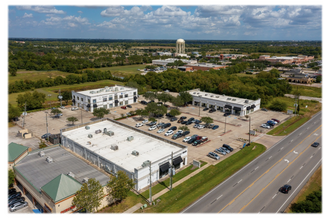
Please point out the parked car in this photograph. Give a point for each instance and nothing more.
(183, 117)
(264, 109)
(196, 142)
(160, 124)
(225, 149)
(271, 123)
(15, 200)
(265, 126)
(62, 107)
(123, 107)
(213, 155)
(198, 137)
(152, 123)
(285, 189)
(185, 133)
(151, 101)
(152, 128)
(184, 122)
(315, 144)
(168, 114)
(227, 114)
(179, 131)
(17, 206)
(273, 119)
(145, 121)
(74, 108)
(158, 115)
(160, 130)
(203, 139)
(173, 128)
(215, 127)
(173, 119)
(205, 109)
(228, 147)
(180, 120)
(197, 121)
(175, 136)
(11, 191)
(212, 110)
(201, 126)
(139, 125)
(220, 151)
(15, 195)
(196, 125)
(144, 102)
(129, 106)
(191, 119)
(191, 140)
(189, 123)
(169, 132)
(186, 139)
(166, 125)
(44, 136)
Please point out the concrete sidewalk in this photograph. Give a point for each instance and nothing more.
(154, 197)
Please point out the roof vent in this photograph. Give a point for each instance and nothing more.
(85, 180)
(233, 99)
(194, 93)
(87, 127)
(71, 174)
(217, 96)
(41, 153)
(114, 147)
(89, 135)
(206, 94)
(98, 131)
(246, 101)
(130, 138)
(223, 94)
(135, 153)
(211, 95)
(49, 160)
(110, 133)
(228, 98)
(146, 163)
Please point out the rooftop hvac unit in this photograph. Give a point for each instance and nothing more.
(114, 147)
(146, 163)
(246, 101)
(130, 138)
(98, 131)
(105, 130)
(49, 160)
(92, 92)
(87, 127)
(217, 96)
(89, 135)
(85, 180)
(41, 153)
(211, 96)
(71, 174)
(135, 153)
(206, 94)
(110, 133)
(106, 87)
(116, 89)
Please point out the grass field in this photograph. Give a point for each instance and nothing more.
(128, 69)
(54, 90)
(289, 126)
(189, 191)
(307, 91)
(313, 184)
(36, 75)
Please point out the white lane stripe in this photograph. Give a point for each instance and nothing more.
(300, 184)
(219, 197)
(274, 196)
(256, 168)
(239, 181)
(288, 181)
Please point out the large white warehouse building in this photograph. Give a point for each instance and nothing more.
(114, 146)
(107, 97)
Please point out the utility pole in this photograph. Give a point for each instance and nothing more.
(225, 125)
(24, 116)
(81, 115)
(46, 127)
(60, 97)
(150, 185)
(171, 173)
(49, 95)
(249, 117)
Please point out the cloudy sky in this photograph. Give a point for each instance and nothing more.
(210, 22)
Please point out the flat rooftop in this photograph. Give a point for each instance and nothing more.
(149, 148)
(217, 97)
(205, 65)
(39, 172)
(105, 91)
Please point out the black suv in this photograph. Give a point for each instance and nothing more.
(315, 144)
(166, 125)
(205, 109)
(12, 191)
(12, 196)
(183, 117)
(173, 128)
(285, 188)
(173, 119)
(228, 147)
(226, 114)
(191, 119)
(144, 102)
(212, 110)
(185, 133)
(188, 122)
(196, 142)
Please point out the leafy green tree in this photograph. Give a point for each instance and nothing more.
(175, 112)
(156, 109)
(141, 112)
(11, 178)
(318, 79)
(312, 204)
(13, 112)
(150, 95)
(275, 72)
(89, 196)
(33, 100)
(72, 119)
(66, 96)
(207, 120)
(278, 105)
(152, 67)
(100, 112)
(42, 144)
(152, 119)
(120, 185)
(186, 97)
(184, 128)
(56, 111)
(164, 97)
(12, 69)
(177, 101)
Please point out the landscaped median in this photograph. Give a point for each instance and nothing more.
(289, 126)
(189, 191)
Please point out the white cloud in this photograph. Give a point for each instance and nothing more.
(41, 9)
(112, 11)
(80, 12)
(70, 21)
(28, 15)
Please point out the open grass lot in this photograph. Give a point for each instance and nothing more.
(36, 75)
(189, 191)
(307, 91)
(313, 184)
(128, 69)
(289, 126)
(54, 90)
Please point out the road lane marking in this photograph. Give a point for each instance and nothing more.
(219, 197)
(262, 208)
(269, 169)
(288, 181)
(291, 140)
(307, 128)
(213, 201)
(300, 134)
(276, 177)
(300, 184)
(295, 152)
(301, 167)
(311, 156)
(287, 160)
(239, 181)
(274, 196)
(293, 176)
(235, 184)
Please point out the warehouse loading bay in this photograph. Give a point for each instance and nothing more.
(236, 128)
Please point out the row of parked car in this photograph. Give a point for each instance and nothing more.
(269, 124)
(195, 140)
(145, 103)
(225, 149)
(15, 200)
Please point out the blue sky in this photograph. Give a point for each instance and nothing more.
(205, 22)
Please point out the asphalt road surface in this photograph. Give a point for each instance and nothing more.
(255, 188)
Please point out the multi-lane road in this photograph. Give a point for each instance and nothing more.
(255, 188)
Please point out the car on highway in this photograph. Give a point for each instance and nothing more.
(139, 125)
(220, 151)
(285, 189)
(169, 132)
(186, 139)
(129, 106)
(152, 128)
(215, 127)
(228, 147)
(160, 130)
(265, 126)
(315, 144)
(213, 155)
(17, 206)
(44, 136)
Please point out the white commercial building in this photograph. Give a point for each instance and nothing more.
(107, 97)
(114, 146)
(236, 106)
(171, 60)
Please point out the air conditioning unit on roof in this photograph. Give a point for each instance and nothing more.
(135, 153)
(85, 180)
(49, 160)
(114, 147)
(71, 174)
(41, 153)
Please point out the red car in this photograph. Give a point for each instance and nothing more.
(124, 107)
(203, 139)
(198, 137)
(273, 119)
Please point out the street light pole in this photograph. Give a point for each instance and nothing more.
(225, 125)
(150, 185)
(199, 104)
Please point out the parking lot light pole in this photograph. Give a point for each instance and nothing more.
(199, 104)
(249, 117)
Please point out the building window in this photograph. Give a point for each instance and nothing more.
(82, 99)
(121, 103)
(94, 101)
(89, 101)
(110, 105)
(116, 97)
(105, 106)
(126, 95)
(104, 98)
(120, 96)
(77, 97)
(110, 97)
(134, 93)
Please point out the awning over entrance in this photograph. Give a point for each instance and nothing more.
(248, 108)
(95, 105)
(237, 109)
(228, 106)
(164, 167)
(177, 161)
(88, 106)
(253, 106)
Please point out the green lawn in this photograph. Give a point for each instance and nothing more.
(189, 191)
(289, 126)
(36, 75)
(128, 69)
(307, 91)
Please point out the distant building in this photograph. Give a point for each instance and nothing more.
(180, 46)
(286, 60)
(106, 98)
(164, 53)
(205, 66)
(171, 60)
